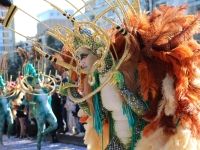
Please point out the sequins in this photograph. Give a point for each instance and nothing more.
(107, 66)
(83, 105)
(137, 105)
(115, 144)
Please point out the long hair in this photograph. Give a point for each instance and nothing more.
(128, 67)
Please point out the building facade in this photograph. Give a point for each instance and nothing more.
(51, 18)
(7, 38)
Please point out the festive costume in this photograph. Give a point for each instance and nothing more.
(10, 96)
(148, 56)
(39, 91)
(167, 55)
(7, 99)
(5, 112)
(169, 77)
(115, 103)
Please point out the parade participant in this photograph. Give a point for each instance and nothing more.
(21, 116)
(160, 46)
(5, 111)
(102, 100)
(9, 98)
(168, 76)
(34, 85)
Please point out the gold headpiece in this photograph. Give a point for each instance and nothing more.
(89, 40)
(90, 34)
(85, 34)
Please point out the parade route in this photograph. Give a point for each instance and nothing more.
(26, 144)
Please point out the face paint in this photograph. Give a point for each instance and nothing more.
(82, 56)
(86, 57)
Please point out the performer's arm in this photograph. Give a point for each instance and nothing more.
(83, 105)
(136, 103)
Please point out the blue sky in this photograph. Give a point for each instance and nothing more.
(25, 24)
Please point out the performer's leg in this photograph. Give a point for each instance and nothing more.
(40, 123)
(2, 122)
(17, 127)
(53, 133)
(51, 119)
(22, 127)
(10, 121)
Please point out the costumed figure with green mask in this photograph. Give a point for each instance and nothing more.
(34, 85)
(5, 111)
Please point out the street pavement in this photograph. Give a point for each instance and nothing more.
(26, 144)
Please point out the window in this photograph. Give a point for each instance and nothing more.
(1, 48)
(198, 7)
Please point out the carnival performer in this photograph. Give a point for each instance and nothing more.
(117, 101)
(167, 60)
(5, 111)
(110, 87)
(160, 46)
(40, 99)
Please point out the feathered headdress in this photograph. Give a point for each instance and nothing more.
(168, 68)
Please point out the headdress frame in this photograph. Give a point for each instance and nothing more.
(96, 40)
